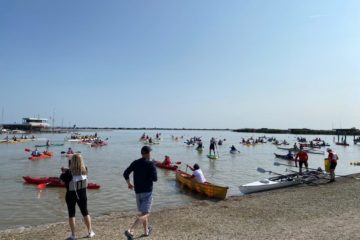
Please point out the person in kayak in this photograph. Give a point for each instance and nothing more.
(290, 156)
(48, 143)
(144, 174)
(70, 151)
(333, 157)
(197, 173)
(167, 161)
(302, 157)
(212, 146)
(75, 179)
(35, 153)
(233, 148)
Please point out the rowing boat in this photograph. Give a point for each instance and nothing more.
(271, 183)
(208, 189)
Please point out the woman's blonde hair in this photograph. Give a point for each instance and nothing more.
(77, 166)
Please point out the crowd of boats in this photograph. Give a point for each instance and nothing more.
(211, 190)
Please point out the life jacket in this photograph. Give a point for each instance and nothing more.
(78, 183)
(333, 157)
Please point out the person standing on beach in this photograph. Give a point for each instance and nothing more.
(333, 157)
(144, 174)
(75, 179)
(302, 157)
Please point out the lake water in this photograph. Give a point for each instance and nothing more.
(24, 205)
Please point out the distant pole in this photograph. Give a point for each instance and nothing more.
(53, 120)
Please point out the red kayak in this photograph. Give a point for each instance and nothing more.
(98, 144)
(42, 156)
(168, 167)
(53, 182)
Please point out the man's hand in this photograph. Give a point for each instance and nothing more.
(130, 186)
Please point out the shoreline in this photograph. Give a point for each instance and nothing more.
(303, 212)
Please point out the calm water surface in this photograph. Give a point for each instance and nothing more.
(24, 205)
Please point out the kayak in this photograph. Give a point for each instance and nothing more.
(200, 150)
(271, 184)
(51, 145)
(98, 144)
(234, 151)
(53, 182)
(208, 189)
(285, 157)
(286, 148)
(42, 156)
(313, 151)
(342, 144)
(213, 156)
(15, 142)
(163, 166)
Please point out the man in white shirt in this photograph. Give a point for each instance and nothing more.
(197, 173)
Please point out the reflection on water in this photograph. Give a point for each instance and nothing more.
(24, 204)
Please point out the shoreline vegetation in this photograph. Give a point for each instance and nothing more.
(298, 131)
(302, 212)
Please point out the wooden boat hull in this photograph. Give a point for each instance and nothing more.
(208, 189)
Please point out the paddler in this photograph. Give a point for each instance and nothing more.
(35, 153)
(70, 151)
(200, 145)
(333, 157)
(212, 146)
(167, 161)
(302, 157)
(233, 148)
(197, 173)
(290, 156)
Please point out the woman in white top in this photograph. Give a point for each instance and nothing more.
(197, 173)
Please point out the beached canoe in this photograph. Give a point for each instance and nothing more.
(53, 182)
(214, 157)
(163, 166)
(44, 155)
(208, 189)
(271, 184)
(51, 145)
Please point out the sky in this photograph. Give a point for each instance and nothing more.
(193, 64)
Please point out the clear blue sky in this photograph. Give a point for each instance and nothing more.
(203, 63)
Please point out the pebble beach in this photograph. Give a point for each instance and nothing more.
(321, 211)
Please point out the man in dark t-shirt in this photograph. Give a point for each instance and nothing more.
(144, 174)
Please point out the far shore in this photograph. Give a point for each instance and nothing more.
(325, 211)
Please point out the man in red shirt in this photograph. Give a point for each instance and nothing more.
(333, 157)
(302, 157)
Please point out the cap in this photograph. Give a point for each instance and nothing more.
(145, 149)
(329, 150)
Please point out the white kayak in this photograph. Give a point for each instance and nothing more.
(270, 184)
(314, 151)
(234, 151)
(286, 148)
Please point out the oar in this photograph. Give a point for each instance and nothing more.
(261, 170)
(282, 164)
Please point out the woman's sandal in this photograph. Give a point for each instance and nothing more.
(148, 232)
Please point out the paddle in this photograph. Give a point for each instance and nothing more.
(42, 186)
(27, 150)
(261, 170)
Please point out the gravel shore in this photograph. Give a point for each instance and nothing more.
(324, 211)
